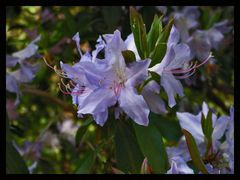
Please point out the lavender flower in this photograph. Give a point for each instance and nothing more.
(179, 166)
(99, 84)
(223, 157)
(26, 72)
(176, 57)
(185, 20)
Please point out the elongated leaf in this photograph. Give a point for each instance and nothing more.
(207, 125)
(161, 44)
(194, 152)
(170, 129)
(129, 56)
(152, 147)
(153, 34)
(155, 76)
(87, 163)
(82, 130)
(128, 154)
(14, 162)
(139, 33)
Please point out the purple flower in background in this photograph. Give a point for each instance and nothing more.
(175, 62)
(223, 152)
(152, 89)
(202, 42)
(179, 166)
(176, 56)
(26, 72)
(185, 20)
(99, 84)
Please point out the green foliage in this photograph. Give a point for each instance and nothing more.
(152, 147)
(139, 33)
(131, 143)
(128, 154)
(194, 152)
(207, 125)
(87, 163)
(14, 162)
(129, 56)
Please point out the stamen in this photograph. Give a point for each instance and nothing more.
(186, 75)
(59, 72)
(192, 67)
(197, 66)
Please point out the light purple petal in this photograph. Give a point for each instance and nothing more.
(200, 44)
(205, 109)
(11, 61)
(137, 72)
(152, 97)
(101, 117)
(171, 87)
(222, 26)
(76, 38)
(29, 51)
(26, 73)
(220, 127)
(192, 124)
(182, 56)
(179, 166)
(169, 56)
(98, 101)
(130, 44)
(100, 46)
(173, 37)
(215, 37)
(113, 51)
(134, 105)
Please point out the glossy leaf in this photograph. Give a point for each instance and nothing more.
(161, 44)
(207, 125)
(87, 163)
(129, 56)
(170, 129)
(139, 33)
(152, 147)
(194, 152)
(82, 130)
(14, 162)
(128, 154)
(153, 34)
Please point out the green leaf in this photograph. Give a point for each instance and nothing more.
(207, 125)
(155, 76)
(14, 162)
(161, 44)
(153, 34)
(129, 56)
(194, 152)
(87, 163)
(128, 154)
(170, 129)
(81, 131)
(139, 33)
(152, 147)
(213, 18)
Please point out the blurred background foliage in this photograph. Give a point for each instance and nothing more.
(44, 125)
